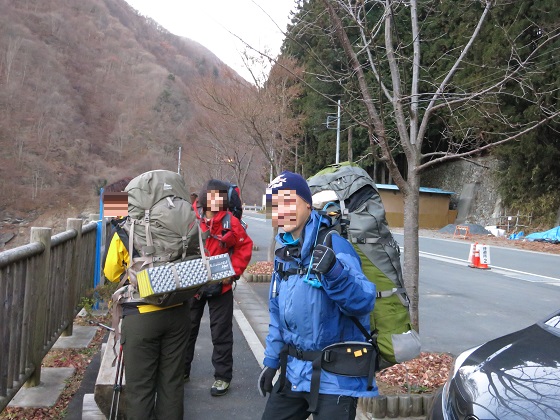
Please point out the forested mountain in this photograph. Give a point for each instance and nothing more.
(91, 92)
(530, 166)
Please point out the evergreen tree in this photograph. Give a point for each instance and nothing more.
(428, 82)
(445, 27)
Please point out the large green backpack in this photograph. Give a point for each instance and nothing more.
(349, 196)
(161, 223)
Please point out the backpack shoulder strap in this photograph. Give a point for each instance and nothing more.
(123, 235)
(326, 231)
(226, 221)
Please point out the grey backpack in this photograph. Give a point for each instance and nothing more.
(349, 196)
(161, 227)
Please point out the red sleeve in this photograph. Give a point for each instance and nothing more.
(243, 248)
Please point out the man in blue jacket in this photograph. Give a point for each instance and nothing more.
(315, 290)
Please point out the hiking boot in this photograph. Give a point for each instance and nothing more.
(219, 387)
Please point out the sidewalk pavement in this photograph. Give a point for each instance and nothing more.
(53, 380)
(242, 402)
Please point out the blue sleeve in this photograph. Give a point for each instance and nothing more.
(346, 284)
(274, 341)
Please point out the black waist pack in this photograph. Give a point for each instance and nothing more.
(347, 358)
(350, 358)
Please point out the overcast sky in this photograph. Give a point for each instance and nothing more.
(208, 23)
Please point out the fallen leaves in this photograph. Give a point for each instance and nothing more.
(260, 267)
(426, 373)
(79, 359)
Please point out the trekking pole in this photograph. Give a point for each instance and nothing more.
(102, 325)
(117, 387)
(120, 385)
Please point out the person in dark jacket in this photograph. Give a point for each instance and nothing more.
(315, 288)
(153, 339)
(224, 234)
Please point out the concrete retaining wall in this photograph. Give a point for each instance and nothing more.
(475, 185)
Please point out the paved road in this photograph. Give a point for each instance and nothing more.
(461, 307)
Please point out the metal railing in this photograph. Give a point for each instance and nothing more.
(253, 208)
(41, 285)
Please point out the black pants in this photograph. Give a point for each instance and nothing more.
(221, 328)
(154, 349)
(290, 405)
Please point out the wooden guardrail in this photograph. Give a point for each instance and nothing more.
(41, 285)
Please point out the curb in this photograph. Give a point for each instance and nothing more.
(405, 406)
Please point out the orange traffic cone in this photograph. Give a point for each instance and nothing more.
(475, 259)
(471, 254)
(484, 257)
(479, 256)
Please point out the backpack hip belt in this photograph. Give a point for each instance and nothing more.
(350, 358)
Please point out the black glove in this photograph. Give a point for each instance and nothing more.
(265, 380)
(323, 259)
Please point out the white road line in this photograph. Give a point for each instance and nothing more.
(250, 335)
(499, 270)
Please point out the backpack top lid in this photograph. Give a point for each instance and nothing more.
(150, 187)
(343, 179)
(234, 200)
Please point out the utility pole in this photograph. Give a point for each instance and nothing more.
(338, 135)
(328, 124)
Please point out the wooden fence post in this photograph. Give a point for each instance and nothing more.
(75, 251)
(37, 300)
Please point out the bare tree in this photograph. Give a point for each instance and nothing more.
(122, 131)
(398, 111)
(263, 111)
(224, 145)
(14, 44)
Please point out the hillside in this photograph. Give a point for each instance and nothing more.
(91, 92)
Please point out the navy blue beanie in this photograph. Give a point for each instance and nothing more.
(290, 181)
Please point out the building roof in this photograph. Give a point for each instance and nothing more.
(422, 189)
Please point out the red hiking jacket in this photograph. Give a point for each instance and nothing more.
(232, 239)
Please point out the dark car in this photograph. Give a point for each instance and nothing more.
(516, 376)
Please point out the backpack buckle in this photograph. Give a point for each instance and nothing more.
(147, 216)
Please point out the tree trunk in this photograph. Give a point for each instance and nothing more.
(272, 244)
(411, 258)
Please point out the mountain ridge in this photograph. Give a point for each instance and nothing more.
(91, 92)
